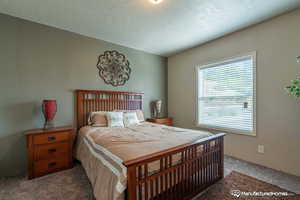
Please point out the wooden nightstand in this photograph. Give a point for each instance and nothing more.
(164, 120)
(49, 150)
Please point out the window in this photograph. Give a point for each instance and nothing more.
(226, 95)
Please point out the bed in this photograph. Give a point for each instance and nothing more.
(146, 161)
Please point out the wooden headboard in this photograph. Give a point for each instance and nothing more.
(101, 100)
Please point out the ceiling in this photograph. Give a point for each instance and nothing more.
(162, 29)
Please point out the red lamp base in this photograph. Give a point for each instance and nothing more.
(49, 110)
(49, 124)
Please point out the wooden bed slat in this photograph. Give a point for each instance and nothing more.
(191, 176)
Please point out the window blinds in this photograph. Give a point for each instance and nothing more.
(226, 95)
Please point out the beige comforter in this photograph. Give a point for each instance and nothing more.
(102, 150)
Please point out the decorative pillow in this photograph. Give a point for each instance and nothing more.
(139, 114)
(115, 119)
(97, 119)
(130, 118)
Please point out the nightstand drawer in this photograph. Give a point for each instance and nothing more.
(48, 151)
(51, 138)
(51, 165)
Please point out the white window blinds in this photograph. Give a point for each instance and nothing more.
(226, 95)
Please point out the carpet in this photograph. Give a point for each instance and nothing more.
(73, 184)
(239, 186)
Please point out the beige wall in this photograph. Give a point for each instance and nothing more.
(277, 43)
(38, 62)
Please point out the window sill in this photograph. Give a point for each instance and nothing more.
(224, 130)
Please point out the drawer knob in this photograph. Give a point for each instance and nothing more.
(51, 150)
(51, 138)
(52, 164)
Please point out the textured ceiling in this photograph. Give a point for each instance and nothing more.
(162, 29)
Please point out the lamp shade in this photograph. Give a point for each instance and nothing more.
(49, 111)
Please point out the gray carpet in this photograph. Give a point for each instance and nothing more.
(73, 184)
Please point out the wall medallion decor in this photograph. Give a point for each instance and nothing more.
(113, 68)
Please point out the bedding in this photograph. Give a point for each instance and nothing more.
(97, 119)
(130, 118)
(102, 150)
(139, 114)
(115, 119)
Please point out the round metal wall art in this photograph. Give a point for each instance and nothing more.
(113, 68)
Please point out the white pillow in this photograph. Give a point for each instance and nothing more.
(115, 119)
(130, 118)
(139, 114)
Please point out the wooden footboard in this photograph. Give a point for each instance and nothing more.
(201, 164)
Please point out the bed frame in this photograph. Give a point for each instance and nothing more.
(201, 163)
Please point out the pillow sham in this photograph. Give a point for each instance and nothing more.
(97, 119)
(115, 119)
(139, 114)
(130, 118)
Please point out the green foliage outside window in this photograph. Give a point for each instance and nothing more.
(294, 88)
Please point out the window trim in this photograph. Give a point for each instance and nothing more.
(221, 61)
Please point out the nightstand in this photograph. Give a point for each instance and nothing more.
(164, 120)
(49, 150)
